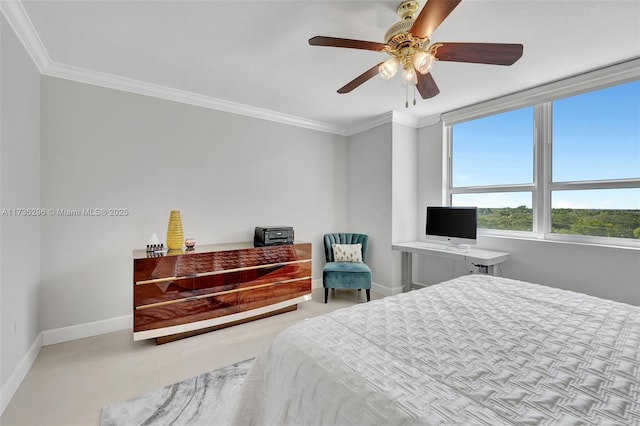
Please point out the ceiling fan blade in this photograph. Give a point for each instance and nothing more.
(362, 78)
(346, 42)
(480, 53)
(427, 86)
(431, 16)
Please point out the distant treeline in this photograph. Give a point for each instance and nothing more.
(595, 222)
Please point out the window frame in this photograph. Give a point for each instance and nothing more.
(541, 99)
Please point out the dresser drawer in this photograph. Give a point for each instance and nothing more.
(289, 290)
(258, 256)
(274, 274)
(165, 267)
(146, 294)
(203, 263)
(215, 284)
(258, 297)
(185, 312)
(250, 277)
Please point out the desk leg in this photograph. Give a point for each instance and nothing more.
(487, 269)
(407, 271)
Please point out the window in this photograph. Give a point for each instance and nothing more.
(501, 186)
(500, 210)
(567, 168)
(474, 144)
(596, 136)
(591, 212)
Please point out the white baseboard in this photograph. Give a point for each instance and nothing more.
(89, 329)
(384, 290)
(95, 328)
(12, 385)
(375, 287)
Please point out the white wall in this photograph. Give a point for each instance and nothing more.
(607, 272)
(430, 166)
(431, 269)
(19, 188)
(382, 197)
(226, 173)
(369, 199)
(404, 192)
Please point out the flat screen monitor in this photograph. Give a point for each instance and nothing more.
(452, 225)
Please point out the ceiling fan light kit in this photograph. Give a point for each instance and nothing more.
(409, 77)
(388, 68)
(408, 43)
(423, 61)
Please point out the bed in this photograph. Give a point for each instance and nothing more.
(474, 350)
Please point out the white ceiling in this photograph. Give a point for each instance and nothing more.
(255, 53)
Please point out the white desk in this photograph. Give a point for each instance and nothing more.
(486, 259)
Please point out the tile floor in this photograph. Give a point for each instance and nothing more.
(70, 382)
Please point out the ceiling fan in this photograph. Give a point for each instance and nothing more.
(408, 44)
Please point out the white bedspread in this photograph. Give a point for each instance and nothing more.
(474, 350)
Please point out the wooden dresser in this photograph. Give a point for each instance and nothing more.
(187, 292)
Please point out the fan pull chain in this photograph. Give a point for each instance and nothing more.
(406, 95)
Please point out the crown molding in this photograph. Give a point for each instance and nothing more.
(17, 17)
(429, 120)
(404, 119)
(110, 81)
(370, 123)
(394, 117)
(413, 121)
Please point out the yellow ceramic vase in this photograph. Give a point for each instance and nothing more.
(175, 234)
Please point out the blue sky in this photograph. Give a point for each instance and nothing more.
(596, 136)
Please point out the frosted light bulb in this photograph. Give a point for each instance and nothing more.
(409, 76)
(388, 68)
(423, 62)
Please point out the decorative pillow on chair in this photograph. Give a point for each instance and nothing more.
(347, 252)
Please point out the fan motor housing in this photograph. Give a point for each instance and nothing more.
(398, 36)
(399, 28)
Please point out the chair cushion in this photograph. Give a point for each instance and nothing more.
(346, 267)
(346, 275)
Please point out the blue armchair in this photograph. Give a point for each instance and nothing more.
(346, 274)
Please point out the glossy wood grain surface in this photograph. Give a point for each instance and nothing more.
(273, 294)
(162, 292)
(154, 293)
(190, 263)
(185, 312)
(194, 286)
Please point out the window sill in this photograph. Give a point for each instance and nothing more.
(562, 239)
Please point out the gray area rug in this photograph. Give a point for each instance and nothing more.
(206, 399)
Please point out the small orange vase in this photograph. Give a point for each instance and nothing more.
(175, 234)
